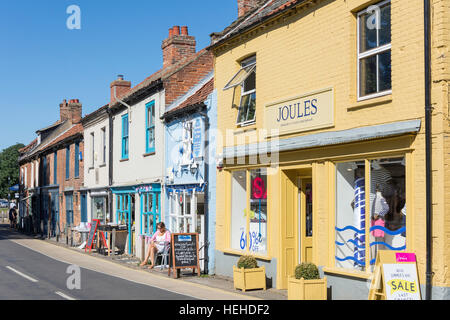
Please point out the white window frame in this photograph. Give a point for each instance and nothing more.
(180, 211)
(250, 62)
(369, 53)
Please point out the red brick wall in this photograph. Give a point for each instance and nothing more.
(72, 182)
(178, 84)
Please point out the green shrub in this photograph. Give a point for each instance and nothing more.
(307, 271)
(247, 262)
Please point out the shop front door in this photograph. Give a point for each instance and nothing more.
(305, 219)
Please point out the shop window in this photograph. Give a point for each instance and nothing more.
(99, 208)
(386, 209)
(374, 51)
(388, 206)
(183, 212)
(249, 224)
(150, 212)
(123, 209)
(246, 79)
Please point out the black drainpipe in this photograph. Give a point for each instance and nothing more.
(428, 149)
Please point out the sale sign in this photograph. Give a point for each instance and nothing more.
(259, 189)
(401, 282)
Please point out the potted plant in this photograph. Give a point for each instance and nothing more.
(306, 284)
(247, 275)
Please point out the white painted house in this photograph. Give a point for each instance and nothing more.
(96, 165)
(138, 137)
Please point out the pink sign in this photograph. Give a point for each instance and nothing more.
(405, 257)
(259, 189)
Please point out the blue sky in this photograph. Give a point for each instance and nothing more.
(42, 62)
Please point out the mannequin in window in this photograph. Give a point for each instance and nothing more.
(359, 215)
(381, 189)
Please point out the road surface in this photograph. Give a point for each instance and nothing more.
(33, 269)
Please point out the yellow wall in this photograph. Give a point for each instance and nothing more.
(315, 48)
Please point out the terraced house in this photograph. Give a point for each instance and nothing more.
(53, 174)
(138, 136)
(328, 109)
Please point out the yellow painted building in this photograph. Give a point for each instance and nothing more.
(321, 110)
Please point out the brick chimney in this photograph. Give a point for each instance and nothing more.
(177, 46)
(121, 86)
(245, 6)
(71, 111)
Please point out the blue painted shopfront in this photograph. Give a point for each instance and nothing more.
(190, 149)
(149, 196)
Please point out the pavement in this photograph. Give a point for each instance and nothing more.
(205, 287)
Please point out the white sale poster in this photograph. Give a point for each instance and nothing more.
(401, 282)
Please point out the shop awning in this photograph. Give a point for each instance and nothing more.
(324, 139)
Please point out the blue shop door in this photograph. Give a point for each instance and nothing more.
(83, 207)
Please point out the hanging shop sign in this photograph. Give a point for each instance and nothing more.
(306, 112)
(148, 188)
(197, 139)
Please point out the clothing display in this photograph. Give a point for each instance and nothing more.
(380, 187)
(379, 180)
(379, 205)
(378, 223)
(359, 219)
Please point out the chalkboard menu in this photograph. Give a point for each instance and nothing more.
(184, 253)
(91, 236)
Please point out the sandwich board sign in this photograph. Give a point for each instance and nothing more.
(184, 253)
(395, 277)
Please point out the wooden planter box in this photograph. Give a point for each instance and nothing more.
(307, 289)
(249, 279)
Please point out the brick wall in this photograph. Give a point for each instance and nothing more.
(179, 83)
(68, 184)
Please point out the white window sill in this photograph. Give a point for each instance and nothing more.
(375, 95)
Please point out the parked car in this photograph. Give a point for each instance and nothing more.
(3, 204)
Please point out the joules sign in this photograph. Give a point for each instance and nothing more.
(302, 113)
